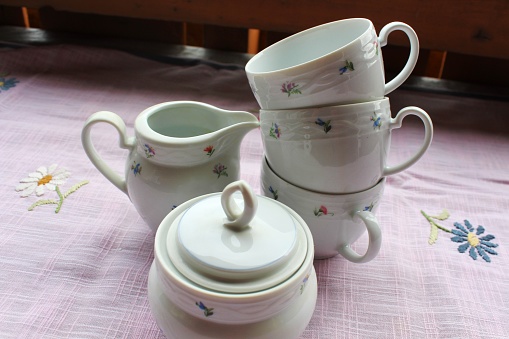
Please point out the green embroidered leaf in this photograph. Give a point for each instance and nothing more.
(442, 216)
(433, 236)
(42, 202)
(75, 188)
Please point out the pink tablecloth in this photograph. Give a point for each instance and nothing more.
(82, 272)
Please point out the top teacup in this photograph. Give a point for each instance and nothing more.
(332, 64)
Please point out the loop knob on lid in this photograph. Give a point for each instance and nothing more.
(239, 219)
(256, 246)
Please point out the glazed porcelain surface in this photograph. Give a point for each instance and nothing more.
(335, 220)
(180, 150)
(337, 149)
(234, 265)
(335, 63)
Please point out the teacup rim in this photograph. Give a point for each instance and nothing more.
(380, 184)
(339, 107)
(293, 36)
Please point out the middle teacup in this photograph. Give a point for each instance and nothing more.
(336, 149)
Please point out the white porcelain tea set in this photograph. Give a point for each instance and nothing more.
(227, 262)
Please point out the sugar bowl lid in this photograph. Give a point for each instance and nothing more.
(236, 242)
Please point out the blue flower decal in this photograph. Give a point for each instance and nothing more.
(377, 121)
(275, 131)
(471, 242)
(369, 208)
(325, 124)
(347, 67)
(274, 192)
(136, 168)
(206, 311)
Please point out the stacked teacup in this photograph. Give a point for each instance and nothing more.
(326, 128)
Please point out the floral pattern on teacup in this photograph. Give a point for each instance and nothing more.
(206, 310)
(322, 210)
(220, 170)
(377, 121)
(290, 88)
(468, 236)
(149, 151)
(325, 124)
(347, 67)
(275, 131)
(375, 43)
(209, 150)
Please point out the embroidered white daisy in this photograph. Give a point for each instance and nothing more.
(43, 178)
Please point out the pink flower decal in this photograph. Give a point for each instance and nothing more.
(322, 211)
(210, 150)
(290, 88)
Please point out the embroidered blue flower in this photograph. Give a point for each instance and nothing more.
(6, 84)
(471, 242)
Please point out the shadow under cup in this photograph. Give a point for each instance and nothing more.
(335, 220)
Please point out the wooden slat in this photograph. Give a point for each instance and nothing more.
(476, 27)
(11, 16)
(193, 34)
(225, 38)
(435, 64)
(110, 26)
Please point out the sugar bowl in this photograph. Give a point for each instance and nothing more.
(233, 265)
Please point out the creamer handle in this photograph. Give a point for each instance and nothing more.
(124, 142)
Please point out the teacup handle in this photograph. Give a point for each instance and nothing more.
(124, 142)
(428, 136)
(412, 59)
(375, 239)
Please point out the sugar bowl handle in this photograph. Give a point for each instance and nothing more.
(239, 219)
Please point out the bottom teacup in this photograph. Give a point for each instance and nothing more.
(335, 220)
